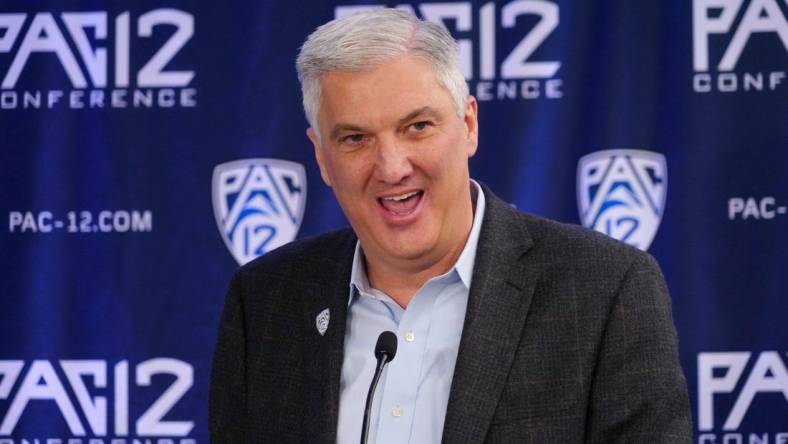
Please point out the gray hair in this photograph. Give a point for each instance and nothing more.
(368, 39)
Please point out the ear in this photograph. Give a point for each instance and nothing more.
(471, 125)
(318, 154)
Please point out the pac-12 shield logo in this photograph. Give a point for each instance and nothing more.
(622, 193)
(258, 204)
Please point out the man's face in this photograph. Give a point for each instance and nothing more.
(396, 153)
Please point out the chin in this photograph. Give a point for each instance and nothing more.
(409, 248)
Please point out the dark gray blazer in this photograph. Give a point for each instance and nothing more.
(568, 337)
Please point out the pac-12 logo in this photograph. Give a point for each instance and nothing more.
(102, 72)
(258, 204)
(717, 63)
(495, 69)
(757, 382)
(622, 193)
(107, 396)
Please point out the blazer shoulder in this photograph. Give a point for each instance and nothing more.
(549, 240)
(576, 244)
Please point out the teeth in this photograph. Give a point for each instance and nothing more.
(402, 197)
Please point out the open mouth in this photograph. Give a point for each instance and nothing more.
(403, 204)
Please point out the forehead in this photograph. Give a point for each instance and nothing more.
(390, 90)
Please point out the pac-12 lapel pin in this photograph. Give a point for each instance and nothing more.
(321, 321)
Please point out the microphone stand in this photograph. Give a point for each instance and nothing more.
(385, 350)
(368, 408)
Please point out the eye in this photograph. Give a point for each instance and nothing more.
(354, 139)
(421, 126)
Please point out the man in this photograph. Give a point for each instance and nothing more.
(511, 328)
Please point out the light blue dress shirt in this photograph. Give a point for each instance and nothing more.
(413, 392)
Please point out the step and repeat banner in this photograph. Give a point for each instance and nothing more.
(147, 148)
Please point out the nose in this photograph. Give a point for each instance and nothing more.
(392, 161)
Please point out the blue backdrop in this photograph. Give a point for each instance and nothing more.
(147, 148)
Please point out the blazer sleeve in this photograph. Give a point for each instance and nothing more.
(227, 392)
(638, 392)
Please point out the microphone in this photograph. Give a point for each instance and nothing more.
(385, 350)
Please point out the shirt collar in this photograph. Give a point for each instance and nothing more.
(463, 266)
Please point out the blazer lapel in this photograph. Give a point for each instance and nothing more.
(323, 353)
(498, 303)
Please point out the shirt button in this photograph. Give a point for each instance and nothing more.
(410, 336)
(396, 412)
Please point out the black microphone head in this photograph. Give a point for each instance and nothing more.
(387, 344)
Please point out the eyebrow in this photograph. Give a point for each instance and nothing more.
(425, 110)
(344, 127)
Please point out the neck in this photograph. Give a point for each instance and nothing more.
(402, 283)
